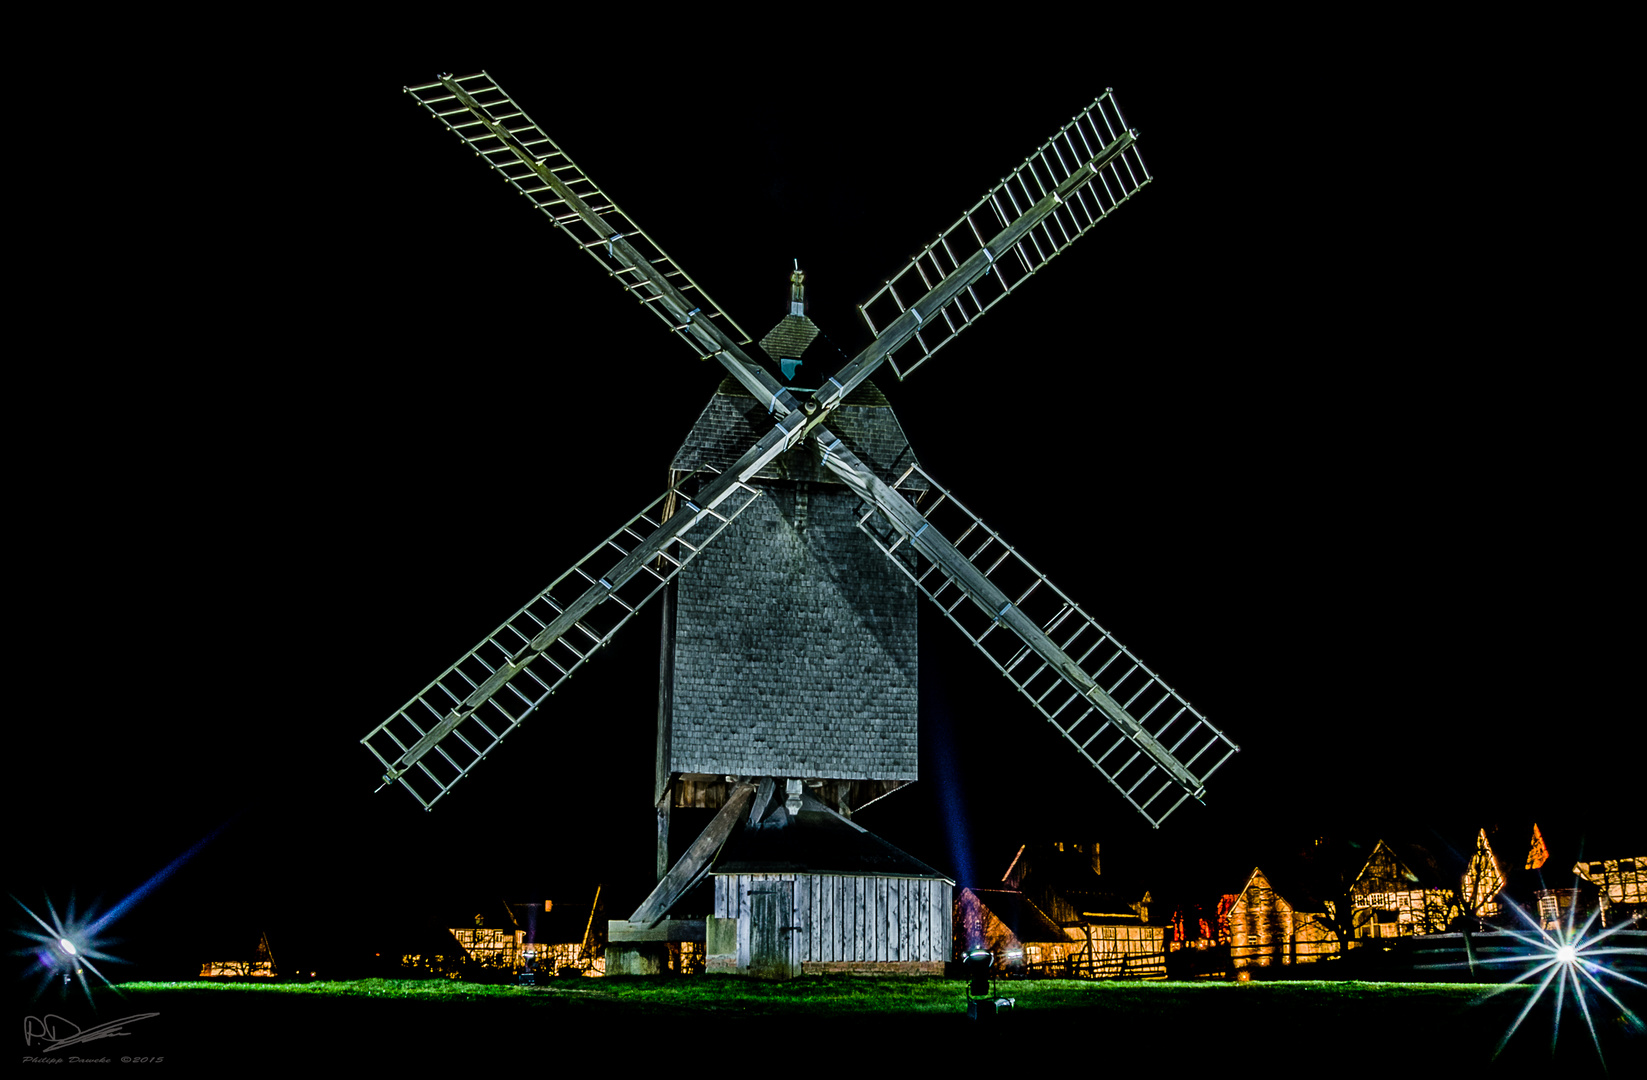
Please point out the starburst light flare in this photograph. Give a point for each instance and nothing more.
(1568, 959)
(70, 943)
(65, 947)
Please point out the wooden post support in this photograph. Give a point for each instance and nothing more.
(763, 798)
(685, 873)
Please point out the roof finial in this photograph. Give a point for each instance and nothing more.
(794, 332)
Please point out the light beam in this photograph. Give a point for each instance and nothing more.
(66, 945)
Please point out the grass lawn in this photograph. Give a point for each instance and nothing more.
(1290, 1029)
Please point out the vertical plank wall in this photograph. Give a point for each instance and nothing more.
(852, 919)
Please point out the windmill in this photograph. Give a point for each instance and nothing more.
(809, 713)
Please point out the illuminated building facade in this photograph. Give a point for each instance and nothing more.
(1269, 930)
(1572, 874)
(1484, 879)
(1056, 915)
(1621, 887)
(1390, 898)
(259, 966)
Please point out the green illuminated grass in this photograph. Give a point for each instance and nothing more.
(1432, 1029)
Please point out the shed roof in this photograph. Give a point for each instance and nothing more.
(815, 841)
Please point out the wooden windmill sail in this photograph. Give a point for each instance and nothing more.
(810, 453)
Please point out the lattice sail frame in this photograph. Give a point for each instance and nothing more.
(1157, 707)
(1097, 126)
(542, 672)
(445, 107)
(1074, 180)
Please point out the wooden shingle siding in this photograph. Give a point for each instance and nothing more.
(794, 604)
(813, 616)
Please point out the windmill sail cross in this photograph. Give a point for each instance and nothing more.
(1133, 728)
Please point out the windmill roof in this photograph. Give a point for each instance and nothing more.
(815, 841)
(734, 420)
(789, 338)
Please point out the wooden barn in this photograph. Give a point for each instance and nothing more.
(1269, 931)
(808, 891)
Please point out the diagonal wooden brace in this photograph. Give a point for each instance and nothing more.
(690, 867)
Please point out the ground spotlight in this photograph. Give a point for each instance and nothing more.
(981, 1002)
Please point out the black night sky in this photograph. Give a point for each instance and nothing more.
(1320, 424)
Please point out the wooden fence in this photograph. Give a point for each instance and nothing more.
(1113, 966)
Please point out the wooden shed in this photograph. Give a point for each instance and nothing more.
(808, 891)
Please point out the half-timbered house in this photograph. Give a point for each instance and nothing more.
(1055, 914)
(1270, 931)
(1621, 887)
(505, 939)
(256, 962)
(1484, 879)
(1400, 893)
(1568, 875)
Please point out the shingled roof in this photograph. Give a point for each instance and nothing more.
(815, 841)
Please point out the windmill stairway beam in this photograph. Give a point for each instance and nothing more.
(903, 526)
